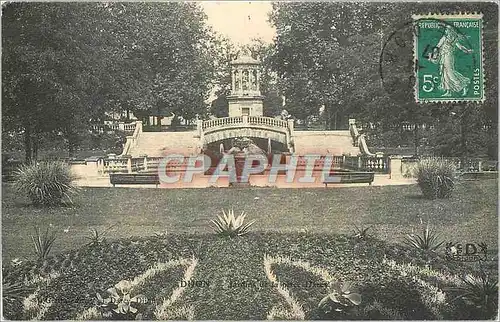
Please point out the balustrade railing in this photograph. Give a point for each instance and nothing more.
(379, 164)
(116, 126)
(241, 120)
(132, 140)
(130, 127)
(462, 164)
(260, 120)
(116, 165)
(376, 164)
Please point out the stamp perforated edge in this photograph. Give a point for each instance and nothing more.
(474, 15)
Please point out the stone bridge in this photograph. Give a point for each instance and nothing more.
(246, 126)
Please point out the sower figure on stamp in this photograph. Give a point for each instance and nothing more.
(451, 79)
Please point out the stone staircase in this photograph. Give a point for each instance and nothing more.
(157, 144)
(325, 142)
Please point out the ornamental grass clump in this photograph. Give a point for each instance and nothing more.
(436, 178)
(480, 293)
(45, 183)
(230, 226)
(429, 240)
(42, 243)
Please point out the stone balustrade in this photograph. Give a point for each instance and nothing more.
(223, 121)
(132, 139)
(243, 121)
(251, 126)
(116, 126)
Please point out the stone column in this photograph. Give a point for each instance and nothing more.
(395, 171)
(233, 80)
(240, 77)
(145, 162)
(100, 166)
(129, 164)
(258, 80)
(290, 125)
(199, 128)
(244, 81)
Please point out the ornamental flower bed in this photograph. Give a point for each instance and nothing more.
(258, 276)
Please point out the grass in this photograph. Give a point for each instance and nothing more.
(470, 215)
(298, 234)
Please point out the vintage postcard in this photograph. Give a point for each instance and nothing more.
(249, 160)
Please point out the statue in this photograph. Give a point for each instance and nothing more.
(250, 80)
(245, 80)
(237, 81)
(255, 80)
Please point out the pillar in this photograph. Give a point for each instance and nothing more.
(145, 162)
(233, 80)
(258, 80)
(100, 166)
(129, 164)
(395, 163)
(240, 77)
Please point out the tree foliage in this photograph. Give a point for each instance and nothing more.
(356, 60)
(65, 65)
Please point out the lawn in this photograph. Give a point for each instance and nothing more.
(469, 216)
(301, 242)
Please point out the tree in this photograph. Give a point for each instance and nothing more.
(174, 50)
(356, 60)
(65, 65)
(312, 54)
(47, 69)
(222, 58)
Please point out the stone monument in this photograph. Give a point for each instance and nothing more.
(245, 98)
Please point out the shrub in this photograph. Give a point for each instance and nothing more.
(120, 302)
(45, 183)
(231, 226)
(43, 243)
(436, 178)
(361, 232)
(480, 293)
(342, 295)
(429, 240)
(97, 237)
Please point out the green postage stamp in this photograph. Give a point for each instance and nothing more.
(449, 58)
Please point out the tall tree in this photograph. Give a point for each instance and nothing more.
(331, 54)
(66, 65)
(48, 68)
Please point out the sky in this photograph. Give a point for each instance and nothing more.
(240, 21)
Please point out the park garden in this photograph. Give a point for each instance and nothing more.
(75, 74)
(249, 253)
